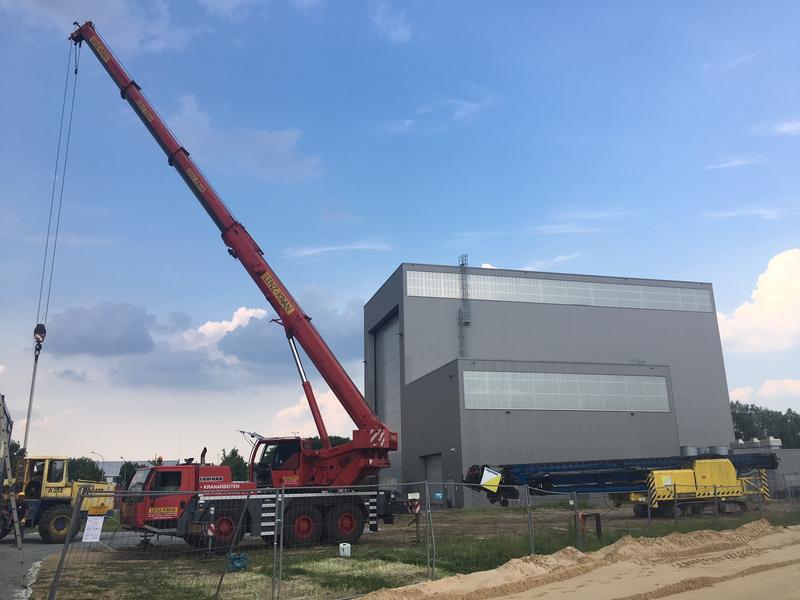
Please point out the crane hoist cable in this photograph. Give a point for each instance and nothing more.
(46, 282)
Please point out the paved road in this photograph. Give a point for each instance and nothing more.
(12, 572)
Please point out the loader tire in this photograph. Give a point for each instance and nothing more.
(55, 524)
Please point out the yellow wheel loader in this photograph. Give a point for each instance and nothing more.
(46, 497)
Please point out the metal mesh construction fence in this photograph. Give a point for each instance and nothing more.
(334, 545)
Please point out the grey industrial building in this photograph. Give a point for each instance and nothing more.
(491, 366)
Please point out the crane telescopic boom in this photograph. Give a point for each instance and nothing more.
(372, 432)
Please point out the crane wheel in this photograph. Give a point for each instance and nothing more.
(302, 526)
(55, 524)
(345, 523)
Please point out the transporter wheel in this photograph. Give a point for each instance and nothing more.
(55, 524)
(345, 523)
(302, 525)
(640, 510)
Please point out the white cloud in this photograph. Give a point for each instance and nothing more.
(297, 417)
(434, 117)
(302, 251)
(3, 368)
(735, 163)
(770, 320)
(128, 27)
(739, 61)
(209, 333)
(487, 266)
(764, 213)
(538, 265)
(266, 154)
(391, 24)
(787, 128)
(563, 228)
(780, 388)
(776, 394)
(742, 394)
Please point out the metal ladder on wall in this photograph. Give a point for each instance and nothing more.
(5, 460)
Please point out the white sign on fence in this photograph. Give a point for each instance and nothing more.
(93, 529)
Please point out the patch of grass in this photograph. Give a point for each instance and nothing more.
(345, 575)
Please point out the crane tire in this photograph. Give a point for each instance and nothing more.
(345, 523)
(302, 525)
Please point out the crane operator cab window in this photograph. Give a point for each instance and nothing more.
(277, 456)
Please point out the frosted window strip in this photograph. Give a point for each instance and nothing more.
(556, 291)
(564, 391)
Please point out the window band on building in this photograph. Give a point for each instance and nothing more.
(513, 390)
(559, 291)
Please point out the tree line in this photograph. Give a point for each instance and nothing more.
(750, 420)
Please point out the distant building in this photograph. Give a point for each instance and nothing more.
(490, 366)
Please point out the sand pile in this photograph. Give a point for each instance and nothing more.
(523, 574)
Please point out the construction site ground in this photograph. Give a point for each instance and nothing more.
(755, 560)
(474, 550)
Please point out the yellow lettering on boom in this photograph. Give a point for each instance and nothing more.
(279, 294)
(101, 50)
(195, 180)
(145, 111)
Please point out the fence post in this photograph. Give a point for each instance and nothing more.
(530, 519)
(576, 519)
(280, 543)
(430, 537)
(716, 507)
(649, 509)
(759, 497)
(675, 508)
(233, 543)
(74, 525)
(278, 531)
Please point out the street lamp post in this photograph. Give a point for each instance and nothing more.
(124, 471)
(102, 460)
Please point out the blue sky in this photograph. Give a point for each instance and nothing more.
(649, 140)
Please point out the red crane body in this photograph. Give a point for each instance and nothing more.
(346, 464)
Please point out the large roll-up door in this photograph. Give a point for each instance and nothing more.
(387, 387)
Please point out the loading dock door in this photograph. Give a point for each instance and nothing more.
(387, 389)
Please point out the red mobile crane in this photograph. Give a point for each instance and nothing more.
(288, 462)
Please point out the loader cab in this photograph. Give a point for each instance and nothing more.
(44, 477)
(276, 462)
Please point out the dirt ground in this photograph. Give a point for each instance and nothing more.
(756, 560)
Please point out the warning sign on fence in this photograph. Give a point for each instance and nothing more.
(93, 529)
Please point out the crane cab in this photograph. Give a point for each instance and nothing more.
(278, 462)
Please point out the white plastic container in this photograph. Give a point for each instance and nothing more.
(344, 550)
